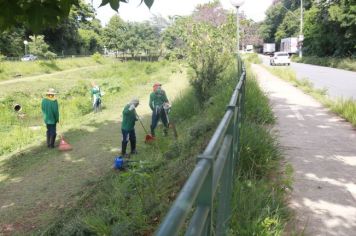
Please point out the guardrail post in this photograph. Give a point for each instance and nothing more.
(225, 193)
(205, 197)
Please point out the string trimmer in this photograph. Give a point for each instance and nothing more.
(148, 138)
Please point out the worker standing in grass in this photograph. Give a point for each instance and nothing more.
(158, 101)
(96, 93)
(50, 116)
(128, 126)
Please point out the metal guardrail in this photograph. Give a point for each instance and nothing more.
(215, 169)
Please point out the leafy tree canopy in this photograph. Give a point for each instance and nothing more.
(39, 14)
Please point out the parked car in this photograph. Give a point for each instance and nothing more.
(280, 58)
(29, 57)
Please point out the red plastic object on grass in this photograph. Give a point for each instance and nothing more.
(63, 145)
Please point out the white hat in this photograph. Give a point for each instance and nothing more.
(134, 101)
(51, 91)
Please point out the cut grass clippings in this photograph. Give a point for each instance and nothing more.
(346, 108)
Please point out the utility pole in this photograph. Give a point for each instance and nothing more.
(301, 37)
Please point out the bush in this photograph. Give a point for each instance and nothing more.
(97, 57)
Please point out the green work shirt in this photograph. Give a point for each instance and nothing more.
(129, 118)
(95, 91)
(50, 111)
(158, 98)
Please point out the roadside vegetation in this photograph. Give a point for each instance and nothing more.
(133, 202)
(340, 63)
(346, 108)
(17, 69)
(261, 188)
(74, 97)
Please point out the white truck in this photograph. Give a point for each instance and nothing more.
(289, 45)
(269, 48)
(249, 49)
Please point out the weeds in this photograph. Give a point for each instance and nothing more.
(11, 70)
(259, 206)
(341, 63)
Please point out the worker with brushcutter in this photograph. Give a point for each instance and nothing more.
(96, 93)
(50, 116)
(158, 103)
(128, 126)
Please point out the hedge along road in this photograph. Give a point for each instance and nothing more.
(321, 148)
(339, 83)
(33, 195)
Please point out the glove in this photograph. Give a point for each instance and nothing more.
(132, 107)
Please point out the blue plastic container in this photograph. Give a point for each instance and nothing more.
(119, 162)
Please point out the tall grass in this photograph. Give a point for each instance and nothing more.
(259, 205)
(346, 108)
(340, 63)
(74, 98)
(15, 69)
(133, 203)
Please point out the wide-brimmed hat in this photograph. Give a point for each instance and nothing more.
(134, 101)
(51, 91)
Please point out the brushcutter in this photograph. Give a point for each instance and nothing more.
(149, 137)
(121, 164)
(166, 108)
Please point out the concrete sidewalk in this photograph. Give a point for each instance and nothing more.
(322, 150)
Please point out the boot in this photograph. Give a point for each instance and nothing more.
(152, 132)
(123, 148)
(48, 140)
(52, 140)
(133, 147)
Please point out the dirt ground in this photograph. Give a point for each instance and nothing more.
(321, 148)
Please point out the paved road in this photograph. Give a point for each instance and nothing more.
(339, 83)
(321, 148)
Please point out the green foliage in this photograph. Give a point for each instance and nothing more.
(132, 37)
(252, 58)
(97, 57)
(336, 19)
(37, 15)
(39, 47)
(341, 63)
(259, 206)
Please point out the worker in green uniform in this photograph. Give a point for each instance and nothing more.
(158, 101)
(96, 93)
(50, 115)
(128, 126)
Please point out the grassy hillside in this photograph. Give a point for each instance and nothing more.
(16, 69)
(36, 183)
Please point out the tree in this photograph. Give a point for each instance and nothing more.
(64, 38)
(11, 42)
(39, 47)
(39, 14)
(274, 17)
(113, 34)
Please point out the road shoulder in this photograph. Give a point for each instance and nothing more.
(320, 147)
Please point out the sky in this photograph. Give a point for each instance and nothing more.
(253, 9)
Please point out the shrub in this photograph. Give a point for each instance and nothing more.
(97, 57)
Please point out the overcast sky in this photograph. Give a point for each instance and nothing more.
(254, 9)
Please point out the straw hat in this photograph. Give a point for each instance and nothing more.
(51, 91)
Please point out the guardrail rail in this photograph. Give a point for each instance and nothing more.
(208, 190)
